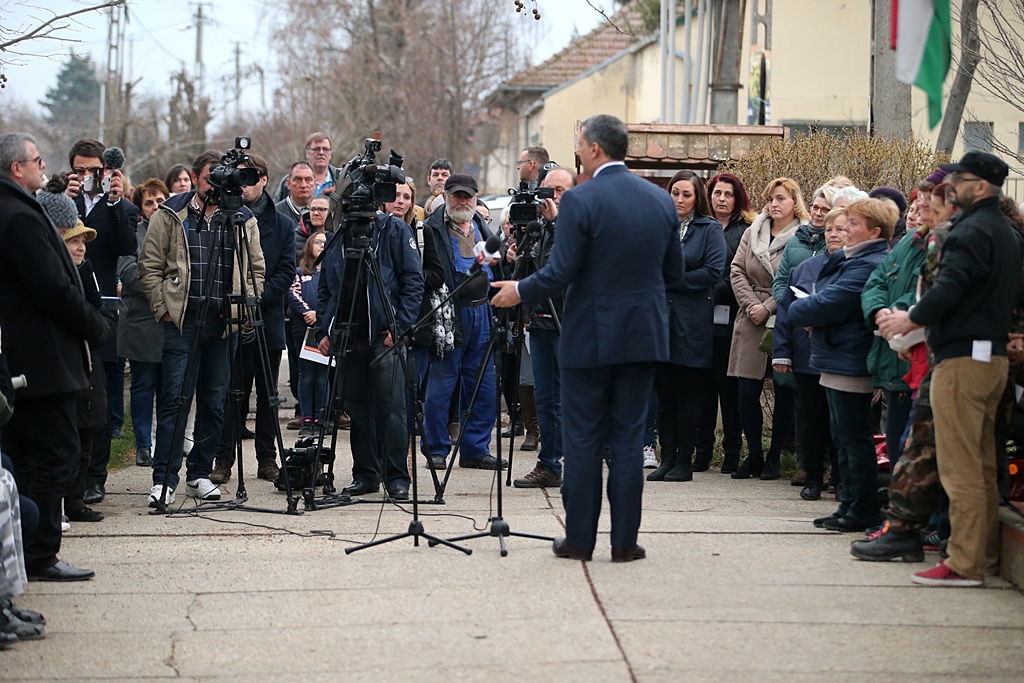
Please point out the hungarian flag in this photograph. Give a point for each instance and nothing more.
(922, 35)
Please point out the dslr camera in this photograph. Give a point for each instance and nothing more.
(227, 179)
(526, 204)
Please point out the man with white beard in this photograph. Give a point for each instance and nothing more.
(456, 230)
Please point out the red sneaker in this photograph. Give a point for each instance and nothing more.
(941, 575)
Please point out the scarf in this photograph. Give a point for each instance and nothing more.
(763, 246)
(684, 226)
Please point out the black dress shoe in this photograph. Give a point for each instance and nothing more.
(117, 434)
(811, 492)
(488, 462)
(62, 571)
(436, 462)
(84, 515)
(247, 434)
(844, 525)
(360, 488)
(637, 552)
(144, 457)
(398, 491)
(820, 521)
(94, 493)
(562, 549)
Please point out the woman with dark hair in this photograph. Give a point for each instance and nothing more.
(752, 271)
(178, 179)
(302, 300)
(691, 311)
(730, 205)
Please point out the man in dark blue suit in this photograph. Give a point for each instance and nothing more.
(616, 247)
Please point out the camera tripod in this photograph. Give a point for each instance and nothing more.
(227, 227)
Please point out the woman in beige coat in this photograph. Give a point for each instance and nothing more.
(752, 272)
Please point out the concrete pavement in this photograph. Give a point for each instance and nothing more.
(737, 586)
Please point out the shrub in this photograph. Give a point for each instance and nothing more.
(813, 158)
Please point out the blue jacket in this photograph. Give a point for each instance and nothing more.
(398, 260)
(840, 341)
(616, 249)
(691, 301)
(277, 240)
(793, 343)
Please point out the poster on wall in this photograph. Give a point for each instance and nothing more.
(759, 94)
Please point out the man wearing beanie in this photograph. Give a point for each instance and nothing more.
(46, 324)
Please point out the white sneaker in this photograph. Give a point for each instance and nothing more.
(650, 459)
(154, 496)
(65, 525)
(203, 489)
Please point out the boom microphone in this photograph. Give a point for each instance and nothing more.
(487, 254)
(113, 158)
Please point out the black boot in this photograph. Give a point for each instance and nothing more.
(890, 545)
(771, 468)
(668, 463)
(751, 467)
(683, 471)
(812, 491)
(731, 463)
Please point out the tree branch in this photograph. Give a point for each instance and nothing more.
(48, 25)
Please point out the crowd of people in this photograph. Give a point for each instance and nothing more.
(861, 299)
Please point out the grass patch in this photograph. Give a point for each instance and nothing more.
(122, 451)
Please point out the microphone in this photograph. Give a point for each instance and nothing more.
(113, 158)
(487, 254)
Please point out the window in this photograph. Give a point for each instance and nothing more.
(977, 136)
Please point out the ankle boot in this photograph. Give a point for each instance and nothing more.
(668, 463)
(771, 467)
(731, 463)
(751, 467)
(529, 407)
(683, 470)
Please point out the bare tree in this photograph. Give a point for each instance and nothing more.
(966, 65)
(13, 41)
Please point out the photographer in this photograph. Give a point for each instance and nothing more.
(325, 177)
(46, 322)
(373, 396)
(114, 221)
(531, 161)
(176, 271)
(276, 241)
(544, 340)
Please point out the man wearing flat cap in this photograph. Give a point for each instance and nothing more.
(967, 314)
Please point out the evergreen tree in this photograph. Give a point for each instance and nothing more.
(73, 104)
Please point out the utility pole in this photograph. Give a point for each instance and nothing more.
(200, 20)
(238, 80)
(110, 86)
(727, 27)
(890, 112)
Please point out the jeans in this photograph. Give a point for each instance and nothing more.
(147, 381)
(547, 391)
(898, 404)
(266, 417)
(312, 382)
(850, 418)
(374, 398)
(460, 366)
(115, 392)
(752, 416)
(208, 383)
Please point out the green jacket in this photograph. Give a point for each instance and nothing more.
(893, 285)
(801, 247)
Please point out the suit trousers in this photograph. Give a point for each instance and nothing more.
(965, 394)
(73, 501)
(604, 416)
(42, 442)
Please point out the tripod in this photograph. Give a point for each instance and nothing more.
(227, 227)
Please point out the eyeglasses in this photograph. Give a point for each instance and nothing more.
(955, 179)
(523, 161)
(38, 160)
(319, 243)
(94, 170)
(319, 149)
(319, 209)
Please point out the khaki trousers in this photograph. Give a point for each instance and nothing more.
(965, 394)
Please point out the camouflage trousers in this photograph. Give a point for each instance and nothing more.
(914, 489)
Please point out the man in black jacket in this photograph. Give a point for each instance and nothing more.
(46, 324)
(967, 313)
(114, 219)
(277, 241)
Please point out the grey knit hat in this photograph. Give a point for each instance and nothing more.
(60, 208)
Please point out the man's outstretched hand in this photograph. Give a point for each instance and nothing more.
(506, 296)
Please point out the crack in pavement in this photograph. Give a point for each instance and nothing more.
(608, 622)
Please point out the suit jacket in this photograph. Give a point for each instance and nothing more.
(115, 237)
(44, 316)
(616, 248)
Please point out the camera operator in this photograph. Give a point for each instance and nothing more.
(373, 396)
(544, 339)
(440, 171)
(173, 268)
(276, 241)
(325, 177)
(46, 323)
(531, 161)
(456, 231)
(114, 221)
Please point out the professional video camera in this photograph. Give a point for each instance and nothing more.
(526, 204)
(365, 186)
(227, 179)
(300, 462)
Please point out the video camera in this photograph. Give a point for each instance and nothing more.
(227, 179)
(364, 187)
(300, 462)
(526, 204)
